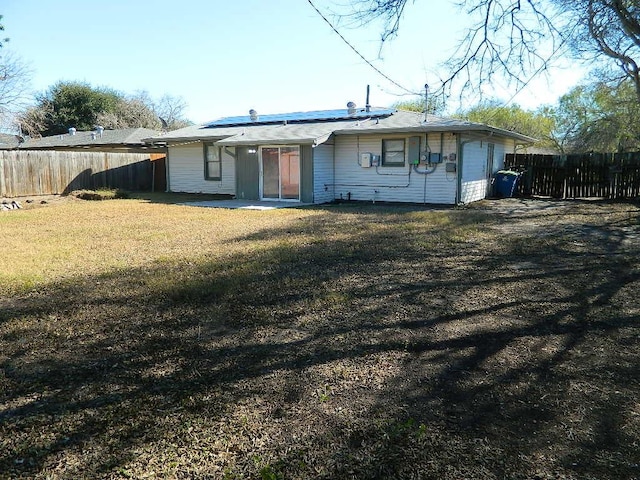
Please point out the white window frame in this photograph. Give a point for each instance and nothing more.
(386, 163)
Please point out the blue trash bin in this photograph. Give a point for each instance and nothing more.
(505, 183)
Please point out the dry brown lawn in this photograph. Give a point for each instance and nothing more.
(141, 339)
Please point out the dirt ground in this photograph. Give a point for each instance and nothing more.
(499, 340)
(39, 201)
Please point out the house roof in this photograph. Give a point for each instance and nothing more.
(121, 139)
(8, 140)
(301, 117)
(294, 129)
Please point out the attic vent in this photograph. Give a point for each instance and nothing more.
(72, 131)
(351, 108)
(99, 130)
(253, 115)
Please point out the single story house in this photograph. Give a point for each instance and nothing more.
(371, 154)
(8, 140)
(127, 140)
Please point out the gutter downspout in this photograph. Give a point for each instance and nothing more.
(333, 172)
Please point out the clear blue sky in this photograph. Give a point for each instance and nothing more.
(226, 57)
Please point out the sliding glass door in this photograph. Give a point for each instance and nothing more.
(280, 173)
(270, 173)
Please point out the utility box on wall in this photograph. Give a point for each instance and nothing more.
(365, 160)
(450, 167)
(435, 157)
(414, 150)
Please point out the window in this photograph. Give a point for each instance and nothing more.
(393, 152)
(212, 162)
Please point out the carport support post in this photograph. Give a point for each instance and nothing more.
(2, 186)
(459, 148)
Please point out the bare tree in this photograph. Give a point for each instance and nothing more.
(35, 120)
(14, 83)
(610, 28)
(171, 109)
(2, 40)
(129, 113)
(168, 109)
(14, 86)
(519, 39)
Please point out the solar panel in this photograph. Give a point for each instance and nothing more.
(301, 117)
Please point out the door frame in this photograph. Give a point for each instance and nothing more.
(261, 175)
(491, 160)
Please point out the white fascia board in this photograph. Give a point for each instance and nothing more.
(240, 141)
(438, 129)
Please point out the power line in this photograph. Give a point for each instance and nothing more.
(536, 73)
(358, 53)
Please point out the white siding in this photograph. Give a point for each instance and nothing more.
(323, 189)
(337, 173)
(474, 172)
(186, 171)
(475, 178)
(391, 184)
(501, 151)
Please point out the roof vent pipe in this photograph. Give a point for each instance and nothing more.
(351, 108)
(367, 107)
(99, 130)
(72, 131)
(253, 115)
(93, 135)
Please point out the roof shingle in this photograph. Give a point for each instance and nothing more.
(128, 137)
(316, 132)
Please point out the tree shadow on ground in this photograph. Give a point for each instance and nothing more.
(358, 343)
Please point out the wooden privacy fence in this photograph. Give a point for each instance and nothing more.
(604, 175)
(57, 172)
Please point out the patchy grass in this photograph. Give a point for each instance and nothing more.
(146, 340)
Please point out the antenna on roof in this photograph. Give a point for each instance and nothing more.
(426, 101)
(367, 107)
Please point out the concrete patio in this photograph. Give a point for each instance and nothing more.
(245, 204)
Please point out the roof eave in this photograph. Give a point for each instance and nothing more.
(280, 141)
(436, 129)
(179, 140)
(125, 147)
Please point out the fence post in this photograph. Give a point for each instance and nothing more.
(2, 185)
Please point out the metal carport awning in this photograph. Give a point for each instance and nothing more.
(270, 138)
